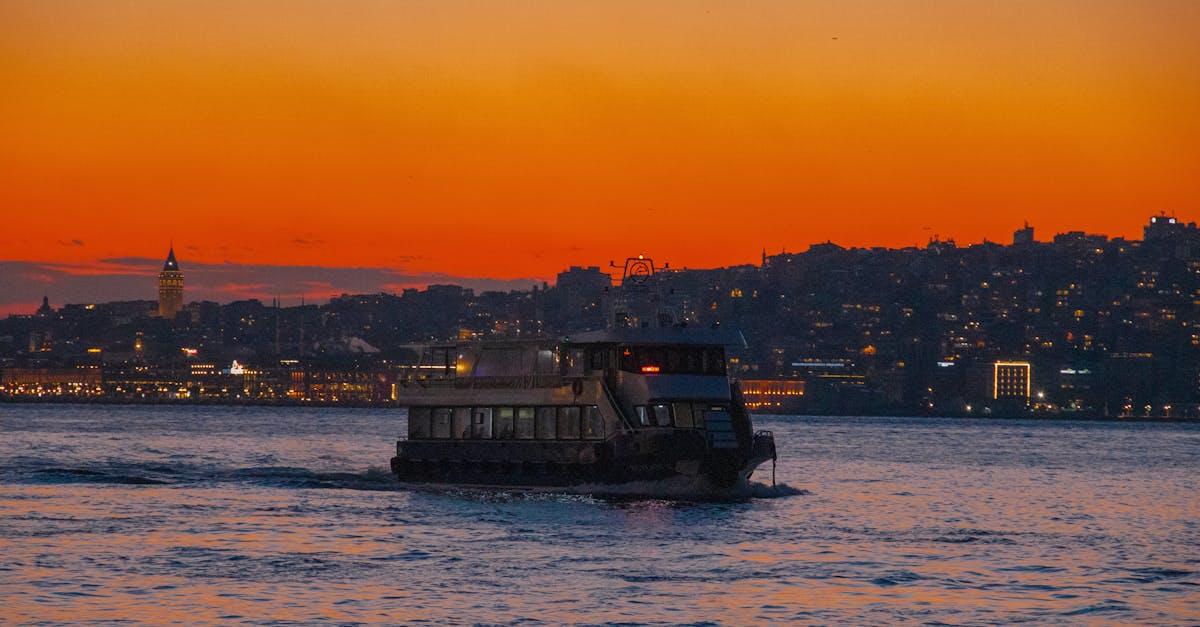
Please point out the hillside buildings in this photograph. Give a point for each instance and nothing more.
(1083, 324)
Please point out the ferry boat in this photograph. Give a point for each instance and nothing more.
(629, 403)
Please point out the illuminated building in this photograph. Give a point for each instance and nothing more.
(1011, 380)
(1163, 226)
(349, 387)
(170, 287)
(768, 394)
(44, 382)
(40, 342)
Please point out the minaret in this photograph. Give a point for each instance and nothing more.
(45, 311)
(170, 288)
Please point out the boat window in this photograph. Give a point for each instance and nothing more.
(593, 423)
(547, 362)
(575, 363)
(461, 423)
(524, 428)
(715, 359)
(440, 355)
(628, 361)
(441, 422)
(503, 419)
(683, 415)
(481, 422)
(642, 418)
(651, 360)
(418, 423)
(698, 415)
(674, 361)
(598, 358)
(717, 419)
(499, 361)
(546, 421)
(662, 414)
(568, 423)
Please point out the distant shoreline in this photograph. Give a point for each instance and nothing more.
(193, 402)
(367, 405)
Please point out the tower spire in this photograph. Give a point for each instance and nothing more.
(170, 286)
(171, 265)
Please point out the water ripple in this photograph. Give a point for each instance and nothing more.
(217, 515)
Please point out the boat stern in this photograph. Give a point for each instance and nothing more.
(762, 448)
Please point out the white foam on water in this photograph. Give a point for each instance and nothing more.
(779, 490)
(689, 488)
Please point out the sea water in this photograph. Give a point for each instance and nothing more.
(275, 515)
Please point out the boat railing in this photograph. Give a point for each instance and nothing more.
(626, 424)
(519, 382)
(764, 444)
(763, 448)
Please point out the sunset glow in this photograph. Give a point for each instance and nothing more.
(509, 140)
(600, 311)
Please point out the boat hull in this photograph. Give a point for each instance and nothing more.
(643, 456)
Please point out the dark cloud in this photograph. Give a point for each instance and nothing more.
(132, 278)
(70, 242)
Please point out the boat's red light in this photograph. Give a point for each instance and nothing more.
(651, 369)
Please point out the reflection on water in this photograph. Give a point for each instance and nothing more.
(227, 514)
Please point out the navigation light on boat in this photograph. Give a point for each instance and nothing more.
(651, 369)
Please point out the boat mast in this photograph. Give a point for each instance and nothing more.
(638, 302)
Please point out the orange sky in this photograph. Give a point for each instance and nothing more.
(510, 139)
